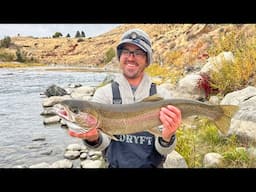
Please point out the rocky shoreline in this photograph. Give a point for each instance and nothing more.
(187, 87)
(75, 155)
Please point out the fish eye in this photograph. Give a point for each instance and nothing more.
(75, 110)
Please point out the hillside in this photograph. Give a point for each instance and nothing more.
(190, 42)
(181, 50)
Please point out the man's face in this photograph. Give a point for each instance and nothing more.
(133, 61)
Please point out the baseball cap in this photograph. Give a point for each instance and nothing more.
(139, 38)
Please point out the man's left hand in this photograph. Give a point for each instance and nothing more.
(170, 117)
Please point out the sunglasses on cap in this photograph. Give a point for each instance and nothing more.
(136, 37)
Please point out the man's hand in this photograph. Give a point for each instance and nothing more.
(170, 116)
(91, 135)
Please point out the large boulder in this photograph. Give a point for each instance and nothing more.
(55, 90)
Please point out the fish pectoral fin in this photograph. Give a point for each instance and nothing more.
(154, 97)
(157, 131)
(114, 138)
(108, 134)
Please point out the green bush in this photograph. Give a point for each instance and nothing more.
(109, 55)
(57, 34)
(5, 42)
(20, 56)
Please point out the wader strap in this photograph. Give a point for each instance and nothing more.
(152, 90)
(116, 93)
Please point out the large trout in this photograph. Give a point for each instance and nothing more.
(142, 116)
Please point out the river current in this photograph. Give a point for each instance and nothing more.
(20, 121)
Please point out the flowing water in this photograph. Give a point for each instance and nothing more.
(20, 119)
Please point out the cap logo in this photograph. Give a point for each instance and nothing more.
(133, 35)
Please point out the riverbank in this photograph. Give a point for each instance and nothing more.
(45, 67)
(21, 122)
(20, 65)
(77, 69)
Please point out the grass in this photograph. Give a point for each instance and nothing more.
(237, 75)
(194, 143)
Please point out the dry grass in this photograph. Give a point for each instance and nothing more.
(238, 75)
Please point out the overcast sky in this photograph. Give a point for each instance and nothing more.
(47, 30)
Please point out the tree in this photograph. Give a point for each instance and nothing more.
(82, 34)
(78, 34)
(57, 34)
(5, 42)
(68, 35)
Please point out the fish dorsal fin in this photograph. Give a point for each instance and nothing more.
(154, 97)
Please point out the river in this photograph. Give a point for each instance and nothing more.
(20, 119)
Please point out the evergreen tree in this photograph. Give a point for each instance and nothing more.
(78, 34)
(68, 35)
(5, 42)
(82, 34)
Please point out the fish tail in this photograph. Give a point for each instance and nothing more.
(223, 121)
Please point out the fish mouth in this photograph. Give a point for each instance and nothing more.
(74, 127)
(62, 112)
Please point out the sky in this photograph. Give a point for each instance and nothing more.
(47, 30)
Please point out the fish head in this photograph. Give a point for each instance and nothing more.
(79, 112)
(63, 112)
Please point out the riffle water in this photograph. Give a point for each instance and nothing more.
(20, 119)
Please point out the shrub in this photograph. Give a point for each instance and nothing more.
(109, 55)
(5, 42)
(174, 58)
(234, 76)
(204, 84)
(164, 72)
(4, 56)
(186, 147)
(19, 56)
(57, 35)
(80, 40)
(236, 157)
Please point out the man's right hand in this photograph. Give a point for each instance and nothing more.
(91, 136)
